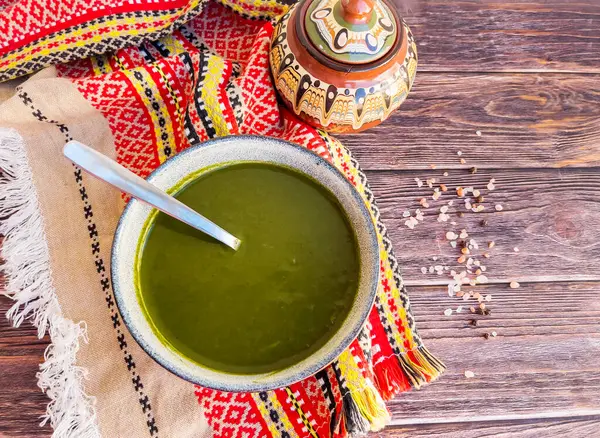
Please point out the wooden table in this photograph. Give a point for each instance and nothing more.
(526, 75)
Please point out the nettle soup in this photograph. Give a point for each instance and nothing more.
(272, 303)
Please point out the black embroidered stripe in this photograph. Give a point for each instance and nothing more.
(155, 105)
(301, 413)
(146, 54)
(325, 383)
(188, 126)
(199, 98)
(100, 269)
(347, 402)
(235, 100)
(273, 414)
(161, 48)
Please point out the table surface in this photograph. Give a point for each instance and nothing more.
(526, 75)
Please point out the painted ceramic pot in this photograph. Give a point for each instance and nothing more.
(343, 65)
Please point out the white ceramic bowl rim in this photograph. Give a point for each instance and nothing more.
(242, 149)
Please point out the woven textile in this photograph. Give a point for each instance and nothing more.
(206, 76)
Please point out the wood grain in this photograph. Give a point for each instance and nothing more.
(508, 36)
(544, 362)
(564, 427)
(551, 215)
(525, 121)
(22, 403)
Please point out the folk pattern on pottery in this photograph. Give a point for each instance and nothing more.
(326, 101)
(329, 31)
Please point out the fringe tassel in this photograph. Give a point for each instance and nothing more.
(390, 378)
(397, 374)
(364, 408)
(371, 407)
(29, 283)
(430, 367)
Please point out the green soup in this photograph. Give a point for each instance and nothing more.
(272, 303)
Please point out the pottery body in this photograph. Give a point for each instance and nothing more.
(343, 66)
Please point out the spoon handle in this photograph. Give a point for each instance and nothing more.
(113, 173)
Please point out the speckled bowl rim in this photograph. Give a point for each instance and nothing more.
(176, 362)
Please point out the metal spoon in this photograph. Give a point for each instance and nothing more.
(113, 173)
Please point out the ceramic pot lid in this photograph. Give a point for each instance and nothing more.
(351, 31)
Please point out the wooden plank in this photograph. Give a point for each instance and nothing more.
(564, 427)
(22, 403)
(525, 121)
(544, 362)
(475, 35)
(533, 312)
(7, 89)
(551, 215)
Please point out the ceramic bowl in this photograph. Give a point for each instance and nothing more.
(220, 152)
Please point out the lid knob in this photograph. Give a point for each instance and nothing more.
(357, 11)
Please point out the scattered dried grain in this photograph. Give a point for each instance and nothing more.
(482, 279)
(450, 235)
